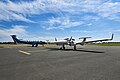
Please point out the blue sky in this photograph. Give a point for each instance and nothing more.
(47, 19)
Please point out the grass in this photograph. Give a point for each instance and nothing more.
(106, 44)
(98, 44)
(11, 45)
(18, 45)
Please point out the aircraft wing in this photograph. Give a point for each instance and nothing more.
(86, 42)
(98, 40)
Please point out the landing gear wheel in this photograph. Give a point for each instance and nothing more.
(61, 48)
(74, 47)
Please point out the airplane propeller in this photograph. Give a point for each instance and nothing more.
(69, 39)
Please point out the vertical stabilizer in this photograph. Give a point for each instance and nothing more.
(15, 39)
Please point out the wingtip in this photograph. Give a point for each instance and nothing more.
(55, 39)
(112, 36)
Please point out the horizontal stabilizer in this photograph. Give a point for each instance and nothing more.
(84, 37)
(66, 39)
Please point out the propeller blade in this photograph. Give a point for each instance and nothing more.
(70, 38)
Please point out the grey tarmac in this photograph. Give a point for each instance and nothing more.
(50, 63)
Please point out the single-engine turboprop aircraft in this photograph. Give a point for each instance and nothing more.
(33, 43)
(71, 42)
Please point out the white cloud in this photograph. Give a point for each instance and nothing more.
(16, 30)
(20, 11)
(21, 32)
(110, 10)
(62, 23)
(114, 31)
(7, 14)
(89, 24)
(82, 31)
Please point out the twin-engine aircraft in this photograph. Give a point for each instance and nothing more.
(71, 42)
(33, 43)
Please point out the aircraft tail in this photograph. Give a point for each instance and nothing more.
(15, 39)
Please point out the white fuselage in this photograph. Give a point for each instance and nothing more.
(64, 42)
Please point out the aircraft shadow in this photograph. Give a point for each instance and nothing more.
(80, 49)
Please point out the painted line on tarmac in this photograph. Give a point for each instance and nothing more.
(38, 51)
(24, 52)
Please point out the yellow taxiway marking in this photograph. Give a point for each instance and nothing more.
(24, 52)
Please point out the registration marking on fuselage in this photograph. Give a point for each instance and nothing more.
(24, 52)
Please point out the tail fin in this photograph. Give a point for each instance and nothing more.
(15, 39)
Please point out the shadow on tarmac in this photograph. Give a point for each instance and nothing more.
(80, 49)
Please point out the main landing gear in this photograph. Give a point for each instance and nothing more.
(74, 47)
(34, 45)
(63, 47)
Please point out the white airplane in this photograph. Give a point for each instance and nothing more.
(71, 42)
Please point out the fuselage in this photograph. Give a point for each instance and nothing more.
(64, 42)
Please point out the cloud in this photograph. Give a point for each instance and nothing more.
(11, 11)
(61, 23)
(21, 31)
(85, 10)
(99, 31)
(16, 30)
(114, 31)
(109, 10)
(21, 10)
(7, 14)
(82, 31)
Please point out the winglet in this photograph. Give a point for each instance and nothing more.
(112, 36)
(55, 39)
